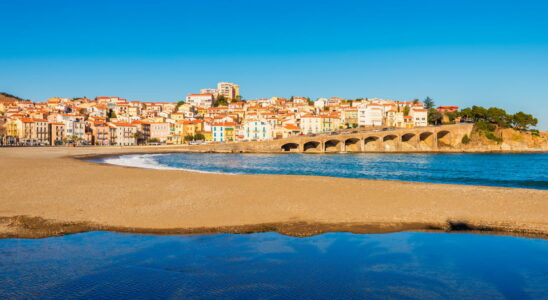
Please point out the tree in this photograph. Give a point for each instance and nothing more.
(451, 115)
(498, 116)
(291, 99)
(199, 137)
(466, 114)
(434, 116)
(406, 110)
(309, 101)
(415, 101)
(189, 138)
(221, 100)
(429, 103)
(111, 114)
(180, 103)
(522, 120)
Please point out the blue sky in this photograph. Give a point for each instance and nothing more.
(490, 53)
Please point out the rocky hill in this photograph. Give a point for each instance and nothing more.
(507, 139)
(5, 97)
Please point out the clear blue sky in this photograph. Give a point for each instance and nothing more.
(490, 53)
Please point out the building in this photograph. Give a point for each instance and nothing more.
(228, 90)
(257, 130)
(200, 100)
(160, 131)
(224, 131)
(100, 133)
(370, 115)
(394, 119)
(310, 124)
(123, 134)
(329, 123)
(420, 116)
(448, 108)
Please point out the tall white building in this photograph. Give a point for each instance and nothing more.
(370, 115)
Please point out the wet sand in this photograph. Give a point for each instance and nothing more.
(50, 191)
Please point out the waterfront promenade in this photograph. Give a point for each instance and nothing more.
(47, 191)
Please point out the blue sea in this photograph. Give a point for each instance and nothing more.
(506, 170)
(404, 265)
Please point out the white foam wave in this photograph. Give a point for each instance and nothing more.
(147, 161)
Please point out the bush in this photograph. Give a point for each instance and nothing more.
(483, 125)
(493, 137)
(535, 132)
(465, 139)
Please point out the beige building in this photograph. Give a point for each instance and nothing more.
(56, 133)
(229, 90)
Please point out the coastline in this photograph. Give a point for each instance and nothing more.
(69, 195)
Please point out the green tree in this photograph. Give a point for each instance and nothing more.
(434, 116)
(406, 110)
(466, 114)
(291, 99)
(221, 100)
(309, 101)
(451, 115)
(180, 103)
(498, 116)
(199, 137)
(189, 138)
(429, 103)
(415, 101)
(522, 120)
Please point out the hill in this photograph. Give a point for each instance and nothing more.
(5, 97)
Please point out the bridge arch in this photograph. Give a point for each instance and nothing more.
(371, 143)
(444, 138)
(352, 145)
(409, 142)
(290, 147)
(390, 142)
(311, 146)
(427, 140)
(332, 146)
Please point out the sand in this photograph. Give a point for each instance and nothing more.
(49, 191)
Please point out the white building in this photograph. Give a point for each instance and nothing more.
(215, 92)
(370, 115)
(320, 103)
(310, 124)
(420, 116)
(394, 119)
(258, 130)
(200, 100)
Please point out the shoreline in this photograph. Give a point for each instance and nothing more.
(91, 158)
(70, 195)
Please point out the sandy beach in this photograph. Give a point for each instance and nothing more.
(52, 191)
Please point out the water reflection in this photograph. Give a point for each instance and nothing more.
(273, 266)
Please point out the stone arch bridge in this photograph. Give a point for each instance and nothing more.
(421, 139)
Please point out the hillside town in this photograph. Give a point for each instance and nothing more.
(212, 115)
